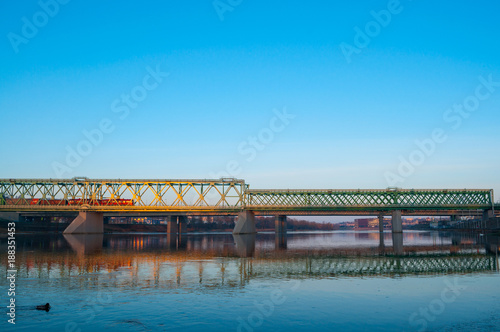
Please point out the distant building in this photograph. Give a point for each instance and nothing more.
(361, 223)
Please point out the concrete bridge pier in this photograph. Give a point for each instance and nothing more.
(397, 243)
(172, 241)
(280, 224)
(381, 223)
(280, 241)
(172, 227)
(280, 232)
(245, 244)
(172, 231)
(182, 222)
(487, 214)
(245, 223)
(381, 244)
(397, 223)
(84, 244)
(86, 222)
(182, 228)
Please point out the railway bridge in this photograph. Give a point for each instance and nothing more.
(93, 199)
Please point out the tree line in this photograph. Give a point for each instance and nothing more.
(227, 222)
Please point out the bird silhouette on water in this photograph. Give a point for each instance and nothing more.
(45, 307)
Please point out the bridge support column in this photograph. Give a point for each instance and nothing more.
(280, 224)
(453, 217)
(280, 232)
(86, 223)
(245, 223)
(280, 241)
(487, 214)
(172, 233)
(381, 223)
(172, 227)
(397, 243)
(182, 224)
(245, 244)
(397, 224)
(182, 228)
(84, 244)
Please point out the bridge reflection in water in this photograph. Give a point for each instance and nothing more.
(223, 260)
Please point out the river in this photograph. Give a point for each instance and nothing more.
(309, 281)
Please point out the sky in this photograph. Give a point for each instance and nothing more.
(299, 95)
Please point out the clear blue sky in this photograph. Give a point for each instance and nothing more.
(354, 116)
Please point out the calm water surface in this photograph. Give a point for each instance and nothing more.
(323, 281)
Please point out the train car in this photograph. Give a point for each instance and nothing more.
(39, 201)
(76, 201)
(17, 201)
(116, 202)
(102, 202)
(122, 201)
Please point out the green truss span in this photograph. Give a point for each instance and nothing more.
(390, 199)
(227, 194)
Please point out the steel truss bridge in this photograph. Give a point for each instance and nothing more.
(228, 196)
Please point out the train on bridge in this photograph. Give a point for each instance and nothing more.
(66, 202)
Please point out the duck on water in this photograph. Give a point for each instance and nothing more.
(45, 307)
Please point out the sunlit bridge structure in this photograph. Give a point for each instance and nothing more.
(124, 195)
(94, 198)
